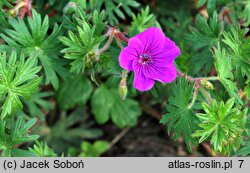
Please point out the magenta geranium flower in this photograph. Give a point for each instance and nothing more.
(151, 56)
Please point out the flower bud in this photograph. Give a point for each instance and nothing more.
(207, 84)
(123, 90)
(90, 58)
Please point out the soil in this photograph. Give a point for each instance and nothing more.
(148, 139)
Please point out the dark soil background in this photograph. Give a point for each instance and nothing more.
(147, 139)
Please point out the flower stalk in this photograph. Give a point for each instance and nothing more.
(200, 83)
(112, 33)
(123, 89)
(25, 6)
(106, 46)
(196, 87)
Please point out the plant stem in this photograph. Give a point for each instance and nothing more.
(118, 137)
(106, 46)
(189, 78)
(198, 86)
(206, 95)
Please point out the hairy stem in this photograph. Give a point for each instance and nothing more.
(106, 46)
(206, 95)
(198, 85)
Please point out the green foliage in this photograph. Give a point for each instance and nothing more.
(18, 79)
(42, 150)
(6, 3)
(3, 21)
(142, 21)
(95, 20)
(75, 90)
(62, 134)
(206, 32)
(238, 48)
(244, 151)
(81, 47)
(33, 39)
(106, 103)
(37, 104)
(114, 8)
(247, 91)
(181, 118)
(15, 136)
(101, 103)
(246, 13)
(94, 150)
(223, 125)
(224, 68)
(211, 5)
(203, 37)
(181, 19)
(71, 42)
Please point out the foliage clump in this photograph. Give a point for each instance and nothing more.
(61, 81)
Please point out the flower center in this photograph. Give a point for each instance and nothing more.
(144, 59)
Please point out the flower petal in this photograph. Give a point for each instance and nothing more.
(141, 83)
(135, 46)
(167, 55)
(169, 44)
(161, 74)
(129, 53)
(126, 59)
(152, 38)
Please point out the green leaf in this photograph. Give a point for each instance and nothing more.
(211, 6)
(37, 104)
(238, 49)
(6, 3)
(109, 104)
(223, 125)
(224, 68)
(81, 47)
(71, 129)
(124, 112)
(16, 136)
(19, 132)
(244, 151)
(42, 150)
(231, 89)
(200, 3)
(94, 150)
(246, 14)
(142, 21)
(247, 91)
(18, 79)
(34, 41)
(101, 104)
(181, 119)
(15, 152)
(75, 90)
(202, 38)
(3, 20)
(113, 8)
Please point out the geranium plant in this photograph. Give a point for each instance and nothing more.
(69, 68)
